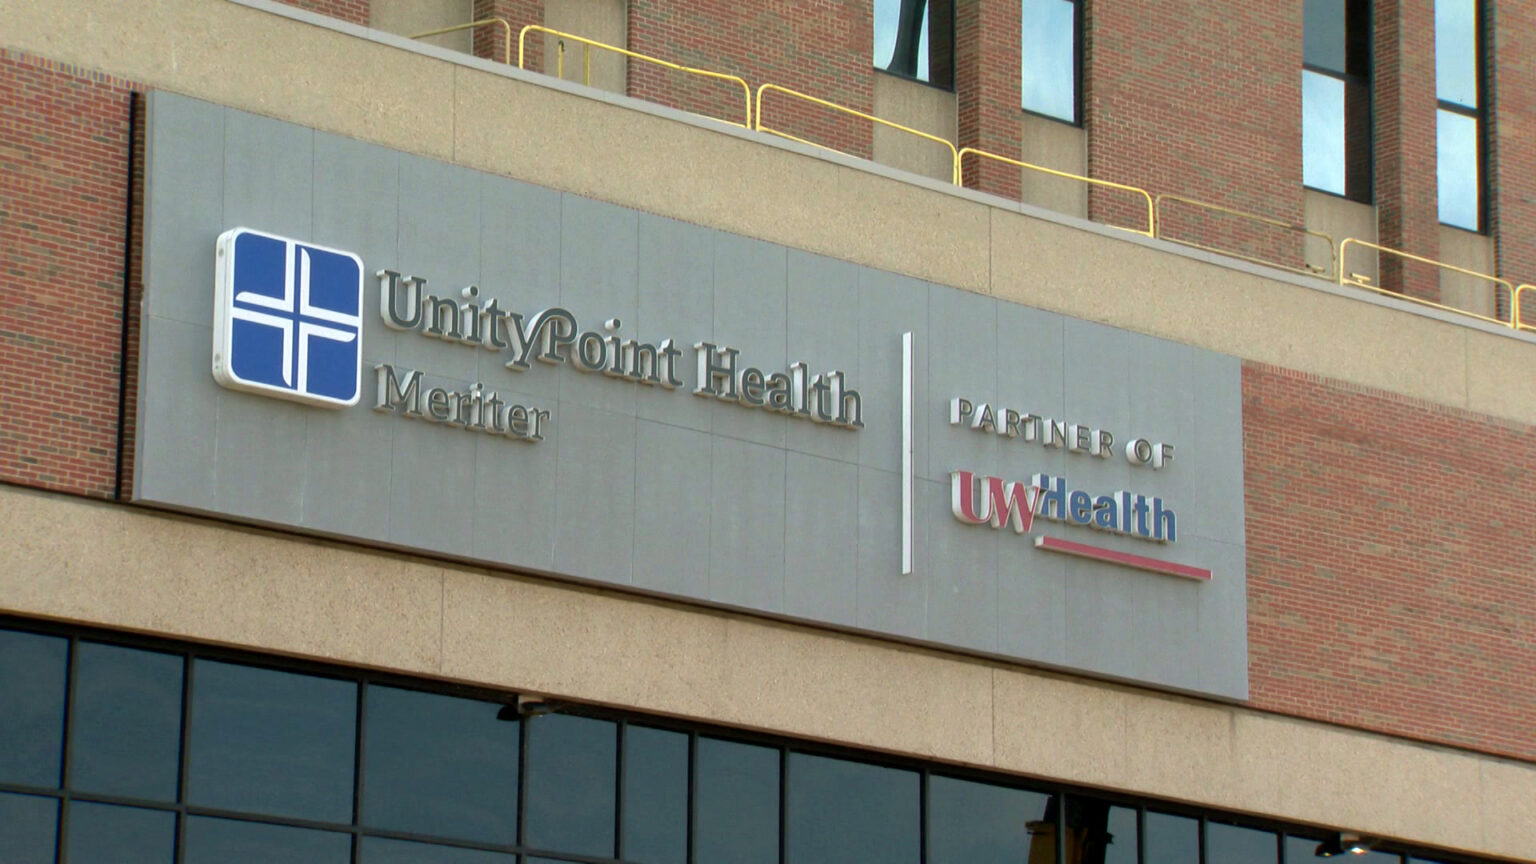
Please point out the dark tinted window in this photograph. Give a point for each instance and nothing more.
(736, 813)
(1234, 844)
(1323, 34)
(28, 828)
(126, 729)
(843, 811)
(1302, 850)
(655, 796)
(1099, 832)
(572, 784)
(979, 823)
(1171, 839)
(32, 683)
(377, 850)
(1048, 58)
(440, 765)
(105, 834)
(224, 841)
(272, 742)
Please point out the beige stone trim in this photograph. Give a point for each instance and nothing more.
(131, 568)
(339, 78)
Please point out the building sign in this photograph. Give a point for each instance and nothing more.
(419, 356)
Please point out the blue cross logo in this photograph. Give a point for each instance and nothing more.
(288, 319)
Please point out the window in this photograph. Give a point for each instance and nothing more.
(1459, 121)
(1048, 55)
(291, 761)
(1336, 98)
(916, 39)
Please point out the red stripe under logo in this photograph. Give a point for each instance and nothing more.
(1151, 565)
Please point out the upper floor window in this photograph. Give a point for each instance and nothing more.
(1459, 120)
(1049, 52)
(915, 39)
(1336, 98)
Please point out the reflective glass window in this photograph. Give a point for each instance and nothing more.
(1457, 169)
(32, 681)
(107, 834)
(915, 39)
(843, 811)
(440, 765)
(980, 823)
(655, 796)
(1099, 832)
(1322, 132)
(1235, 844)
(1336, 98)
(126, 731)
(29, 827)
(1048, 58)
(1171, 839)
(571, 784)
(1459, 120)
(736, 808)
(377, 850)
(221, 841)
(1456, 51)
(269, 741)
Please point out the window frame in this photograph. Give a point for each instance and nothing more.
(948, 84)
(190, 652)
(1363, 77)
(1078, 38)
(1479, 115)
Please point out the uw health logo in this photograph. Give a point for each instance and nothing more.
(287, 319)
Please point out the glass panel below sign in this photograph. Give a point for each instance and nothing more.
(107, 834)
(440, 765)
(655, 796)
(851, 811)
(269, 741)
(29, 827)
(126, 728)
(736, 804)
(32, 681)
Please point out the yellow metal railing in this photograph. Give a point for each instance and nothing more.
(589, 44)
(1515, 318)
(1151, 229)
(1338, 264)
(953, 154)
(1359, 280)
(506, 47)
(1333, 250)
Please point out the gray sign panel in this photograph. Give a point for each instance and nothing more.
(559, 385)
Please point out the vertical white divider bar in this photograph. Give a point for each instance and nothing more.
(906, 453)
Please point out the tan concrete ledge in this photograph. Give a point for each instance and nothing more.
(134, 569)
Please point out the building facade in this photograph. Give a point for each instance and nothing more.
(407, 456)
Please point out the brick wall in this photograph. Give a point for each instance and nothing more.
(355, 11)
(63, 167)
(1407, 212)
(1391, 577)
(1510, 30)
(1203, 100)
(987, 72)
(820, 47)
